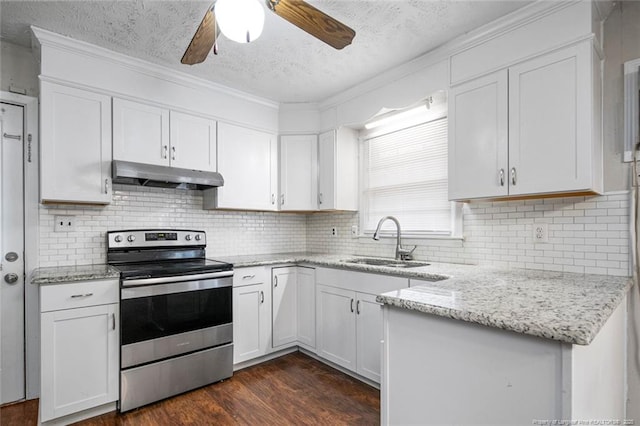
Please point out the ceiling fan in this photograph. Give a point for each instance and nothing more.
(298, 12)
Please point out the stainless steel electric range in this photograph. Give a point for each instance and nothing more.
(176, 331)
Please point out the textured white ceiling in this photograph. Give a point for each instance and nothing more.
(285, 64)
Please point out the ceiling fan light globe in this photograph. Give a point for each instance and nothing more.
(240, 20)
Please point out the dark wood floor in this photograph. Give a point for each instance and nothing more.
(291, 390)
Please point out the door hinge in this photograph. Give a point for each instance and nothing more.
(29, 139)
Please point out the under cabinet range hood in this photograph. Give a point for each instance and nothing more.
(130, 173)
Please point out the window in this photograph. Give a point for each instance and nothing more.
(404, 174)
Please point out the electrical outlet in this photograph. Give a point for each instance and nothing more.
(540, 233)
(64, 223)
(334, 232)
(354, 231)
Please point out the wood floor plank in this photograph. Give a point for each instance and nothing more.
(291, 390)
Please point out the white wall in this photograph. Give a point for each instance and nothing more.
(18, 69)
(228, 233)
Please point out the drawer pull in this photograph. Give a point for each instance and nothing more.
(75, 296)
(248, 277)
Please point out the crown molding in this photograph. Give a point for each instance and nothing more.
(496, 28)
(51, 39)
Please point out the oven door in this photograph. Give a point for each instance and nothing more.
(162, 319)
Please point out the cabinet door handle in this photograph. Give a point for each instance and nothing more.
(282, 200)
(273, 198)
(513, 176)
(173, 152)
(75, 296)
(106, 186)
(351, 305)
(262, 297)
(113, 321)
(248, 277)
(501, 177)
(358, 307)
(165, 149)
(275, 281)
(320, 198)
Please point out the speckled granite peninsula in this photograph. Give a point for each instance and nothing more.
(567, 307)
(61, 274)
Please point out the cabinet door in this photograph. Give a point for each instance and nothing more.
(284, 302)
(306, 293)
(140, 133)
(298, 172)
(193, 142)
(550, 126)
(327, 170)
(75, 145)
(251, 322)
(369, 332)
(248, 161)
(79, 356)
(478, 138)
(336, 325)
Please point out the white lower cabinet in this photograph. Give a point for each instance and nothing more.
(251, 313)
(349, 320)
(284, 306)
(306, 316)
(79, 347)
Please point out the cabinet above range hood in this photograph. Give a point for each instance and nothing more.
(130, 173)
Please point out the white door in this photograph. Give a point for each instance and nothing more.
(326, 170)
(306, 306)
(193, 142)
(336, 325)
(79, 353)
(284, 309)
(140, 133)
(251, 322)
(369, 331)
(248, 161)
(298, 172)
(478, 145)
(550, 109)
(12, 251)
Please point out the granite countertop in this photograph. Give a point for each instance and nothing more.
(561, 306)
(63, 274)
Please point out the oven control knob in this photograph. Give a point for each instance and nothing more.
(131, 238)
(118, 239)
(188, 237)
(198, 237)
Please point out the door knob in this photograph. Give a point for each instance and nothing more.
(11, 278)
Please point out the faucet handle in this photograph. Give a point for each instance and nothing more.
(406, 254)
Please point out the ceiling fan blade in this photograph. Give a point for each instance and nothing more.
(317, 23)
(202, 40)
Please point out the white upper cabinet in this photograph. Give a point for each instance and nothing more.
(338, 170)
(248, 161)
(298, 172)
(154, 135)
(478, 138)
(75, 145)
(193, 142)
(140, 133)
(551, 113)
(528, 130)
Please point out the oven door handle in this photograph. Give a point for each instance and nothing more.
(175, 279)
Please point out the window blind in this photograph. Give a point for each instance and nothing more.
(405, 175)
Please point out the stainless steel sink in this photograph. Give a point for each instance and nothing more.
(390, 263)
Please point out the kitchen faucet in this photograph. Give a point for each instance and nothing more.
(401, 253)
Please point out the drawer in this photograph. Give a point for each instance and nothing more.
(78, 294)
(251, 275)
